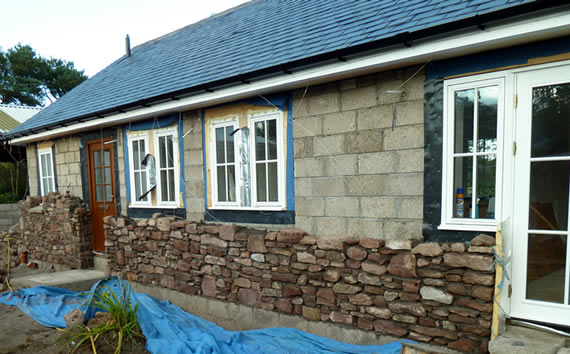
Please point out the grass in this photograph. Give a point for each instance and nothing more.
(122, 325)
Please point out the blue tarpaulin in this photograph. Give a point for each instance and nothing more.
(168, 329)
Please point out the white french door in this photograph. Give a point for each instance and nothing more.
(541, 247)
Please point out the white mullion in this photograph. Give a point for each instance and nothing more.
(567, 272)
(226, 164)
(265, 122)
(547, 159)
(475, 136)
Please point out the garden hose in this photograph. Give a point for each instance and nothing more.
(7, 281)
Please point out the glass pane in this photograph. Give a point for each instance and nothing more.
(548, 209)
(170, 151)
(108, 193)
(546, 267)
(98, 175)
(107, 175)
(462, 186)
(97, 158)
(163, 184)
(43, 163)
(221, 184)
(45, 185)
(272, 179)
(106, 157)
(464, 120)
(48, 164)
(272, 138)
(260, 141)
(231, 183)
(487, 119)
(142, 151)
(162, 151)
(261, 182)
(230, 144)
(486, 171)
(144, 187)
(136, 155)
(138, 187)
(51, 187)
(220, 145)
(99, 193)
(551, 120)
(171, 189)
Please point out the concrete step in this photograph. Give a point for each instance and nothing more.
(76, 279)
(521, 340)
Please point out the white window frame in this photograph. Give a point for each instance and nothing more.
(163, 133)
(134, 137)
(448, 221)
(280, 203)
(223, 123)
(51, 176)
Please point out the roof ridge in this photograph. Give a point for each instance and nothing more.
(211, 17)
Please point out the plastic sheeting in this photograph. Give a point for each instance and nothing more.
(168, 329)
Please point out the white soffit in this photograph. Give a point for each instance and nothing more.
(494, 36)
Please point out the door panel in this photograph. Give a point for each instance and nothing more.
(101, 187)
(541, 274)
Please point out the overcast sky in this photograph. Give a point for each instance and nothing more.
(91, 33)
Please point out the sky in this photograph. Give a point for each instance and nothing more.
(91, 33)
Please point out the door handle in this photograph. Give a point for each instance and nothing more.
(104, 207)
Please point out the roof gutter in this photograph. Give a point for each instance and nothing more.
(490, 36)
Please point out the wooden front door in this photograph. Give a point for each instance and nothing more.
(101, 188)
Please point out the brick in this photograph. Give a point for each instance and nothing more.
(358, 98)
(407, 137)
(365, 227)
(343, 206)
(329, 226)
(411, 230)
(302, 147)
(410, 160)
(410, 208)
(303, 188)
(377, 162)
(310, 206)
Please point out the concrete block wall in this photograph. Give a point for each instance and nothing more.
(121, 168)
(354, 174)
(32, 162)
(8, 216)
(68, 166)
(193, 166)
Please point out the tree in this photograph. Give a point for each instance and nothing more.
(29, 79)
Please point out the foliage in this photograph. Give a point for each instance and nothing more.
(13, 181)
(29, 79)
(122, 326)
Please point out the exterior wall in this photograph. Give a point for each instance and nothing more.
(193, 166)
(57, 231)
(32, 161)
(354, 175)
(436, 293)
(68, 166)
(121, 168)
(8, 216)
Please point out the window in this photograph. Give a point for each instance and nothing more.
(153, 168)
(47, 177)
(247, 162)
(472, 154)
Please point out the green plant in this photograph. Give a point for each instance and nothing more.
(122, 325)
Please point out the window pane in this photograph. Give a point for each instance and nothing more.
(51, 187)
(464, 120)
(171, 189)
(162, 151)
(548, 209)
(551, 121)
(260, 141)
(144, 187)
(261, 182)
(142, 150)
(138, 187)
(462, 184)
(45, 185)
(97, 158)
(231, 183)
(106, 157)
(272, 138)
(487, 117)
(108, 193)
(170, 151)
(107, 175)
(486, 171)
(230, 144)
(43, 163)
(136, 155)
(98, 175)
(221, 184)
(48, 165)
(272, 178)
(546, 267)
(99, 193)
(220, 145)
(163, 184)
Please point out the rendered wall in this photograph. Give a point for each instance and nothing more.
(436, 293)
(354, 174)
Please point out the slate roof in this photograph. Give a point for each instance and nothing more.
(264, 34)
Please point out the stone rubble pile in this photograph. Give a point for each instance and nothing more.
(436, 293)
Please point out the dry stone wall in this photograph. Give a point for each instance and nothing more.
(436, 293)
(56, 229)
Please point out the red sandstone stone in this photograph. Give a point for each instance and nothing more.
(227, 232)
(290, 235)
(328, 243)
(464, 345)
(284, 305)
(374, 268)
(209, 286)
(291, 291)
(370, 243)
(483, 307)
(434, 332)
(482, 292)
(389, 327)
(483, 240)
(431, 249)
(331, 276)
(365, 324)
(326, 296)
(284, 277)
(356, 253)
(249, 297)
(256, 243)
(403, 265)
(312, 313)
(412, 286)
(478, 278)
(360, 300)
(342, 318)
(468, 260)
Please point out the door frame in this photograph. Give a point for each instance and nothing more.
(91, 185)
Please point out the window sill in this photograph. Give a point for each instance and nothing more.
(237, 208)
(469, 227)
(135, 206)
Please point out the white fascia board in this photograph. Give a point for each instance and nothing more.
(494, 36)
